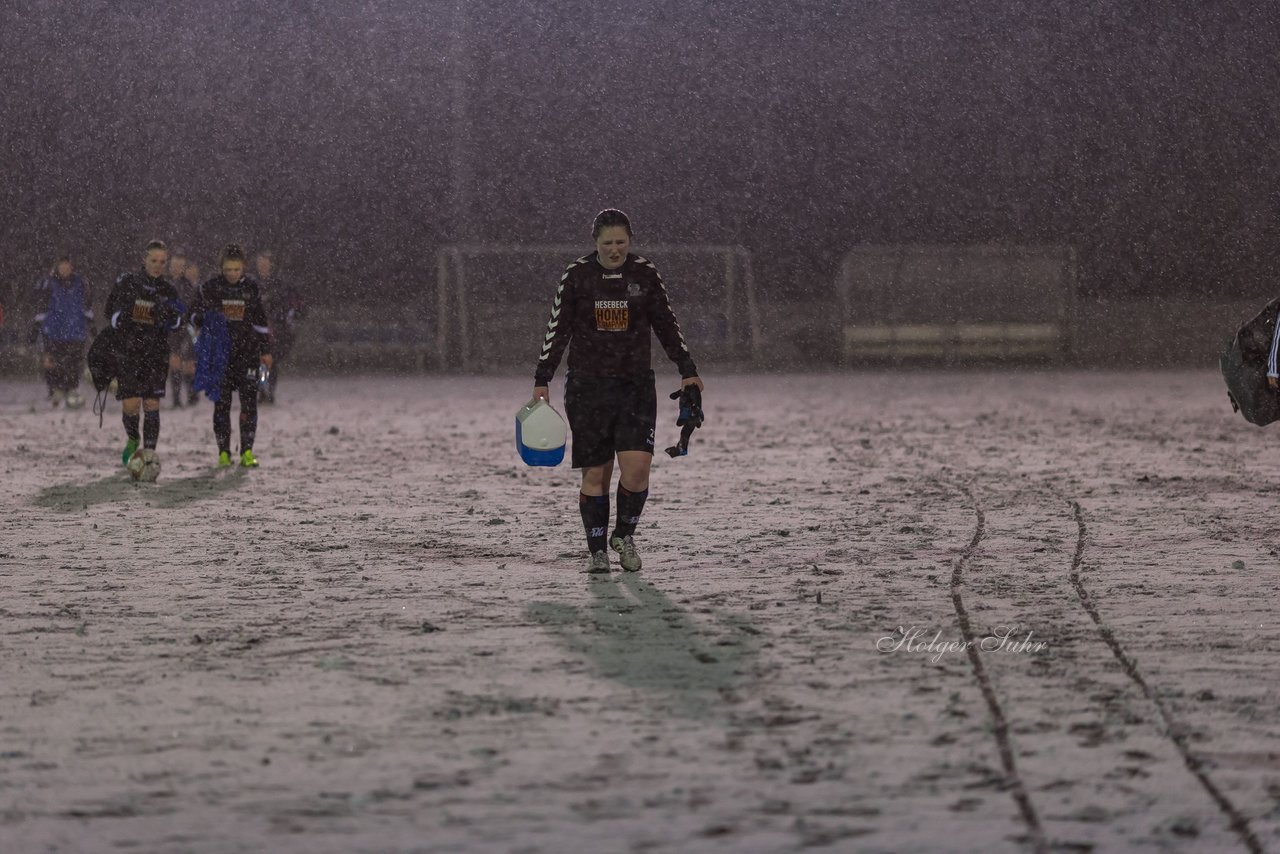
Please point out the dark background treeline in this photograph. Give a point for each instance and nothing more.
(1145, 134)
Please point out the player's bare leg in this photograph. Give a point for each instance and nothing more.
(595, 479)
(635, 467)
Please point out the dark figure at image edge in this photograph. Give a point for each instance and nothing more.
(605, 308)
(1249, 365)
(144, 310)
(229, 312)
(62, 327)
(182, 364)
(285, 308)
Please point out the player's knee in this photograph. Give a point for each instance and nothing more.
(635, 472)
(634, 483)
(595, 477)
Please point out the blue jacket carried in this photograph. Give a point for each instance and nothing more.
(67, 314)
(213, 352)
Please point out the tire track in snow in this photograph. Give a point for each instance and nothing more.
(999, 721)
(1176, 734)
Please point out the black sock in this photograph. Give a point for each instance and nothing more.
(150, 428)
(630, 506)
(176, 382)
(222, 423)
(248, 420)
(595, 519)
(130, 425)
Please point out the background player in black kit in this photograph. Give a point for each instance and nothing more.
(237, 299)
(180, 350)
(187, 290)
(606, 305)
(144, 309)
(285, 308)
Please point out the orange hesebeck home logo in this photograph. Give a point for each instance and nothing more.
(233, 309)
(142, 312)
(612, 315)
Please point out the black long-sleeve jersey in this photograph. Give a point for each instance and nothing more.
(608, 315)
(241, 304)
(285, 307)
(144, 309)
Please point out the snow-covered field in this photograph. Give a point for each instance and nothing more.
(382, 639)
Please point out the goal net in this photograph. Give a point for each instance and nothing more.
(492, 303)
(988, 301)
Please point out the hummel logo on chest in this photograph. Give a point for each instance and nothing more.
(612, 276)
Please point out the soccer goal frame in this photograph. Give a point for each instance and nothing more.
(455, 341)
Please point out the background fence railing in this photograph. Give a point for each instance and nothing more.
(796, 335)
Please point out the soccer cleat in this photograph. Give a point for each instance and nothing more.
(627, 554)
(599, 563)
(129, 448)
(74, 400)
(224, 459)
(248, 460)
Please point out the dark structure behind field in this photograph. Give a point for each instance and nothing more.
(357, 139)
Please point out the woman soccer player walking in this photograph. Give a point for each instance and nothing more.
(144, 309)
(285, 307)
(235, 297)
(607, 306)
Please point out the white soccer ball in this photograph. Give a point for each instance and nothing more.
(144, 466)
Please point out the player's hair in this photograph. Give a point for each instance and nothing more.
(156, 244)
(178, 252)
(231, 252)
(266, 253)
(608, 217)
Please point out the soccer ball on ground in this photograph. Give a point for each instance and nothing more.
(144, 465)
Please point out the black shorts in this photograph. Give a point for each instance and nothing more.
(240, 377)
(68, 363)
(143, 373)
(610, 414)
